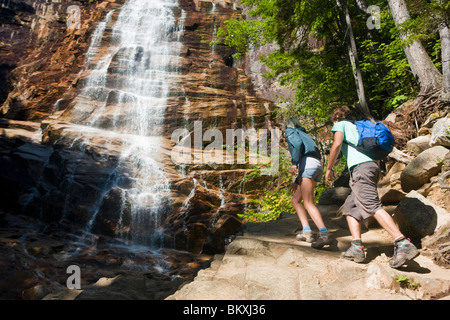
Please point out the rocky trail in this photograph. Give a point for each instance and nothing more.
(74, 163)
(266, 262)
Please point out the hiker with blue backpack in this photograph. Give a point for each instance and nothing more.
(306, 159)
(363, 143)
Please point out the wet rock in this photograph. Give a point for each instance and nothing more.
(35, 293)
(43, 56)
(225, 228)
(114, 216)
(65, 175)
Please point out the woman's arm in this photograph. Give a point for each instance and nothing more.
(334, 153)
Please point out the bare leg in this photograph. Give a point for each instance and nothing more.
(301, 212)
(354, 226)
(385, 220)
(307, 190)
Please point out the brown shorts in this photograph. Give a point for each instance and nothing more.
(363, 201)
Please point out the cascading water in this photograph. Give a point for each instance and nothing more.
(124, 101)
(100, 178)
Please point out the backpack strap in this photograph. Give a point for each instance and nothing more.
(345, 141)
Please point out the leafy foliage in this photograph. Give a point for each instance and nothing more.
(406, 283)
(277, 198)
(270, 207)
(312, 54)
(312, 59)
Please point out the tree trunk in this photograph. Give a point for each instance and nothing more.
(353, 55)
(426, 73)
(444, 33)
(362, 6)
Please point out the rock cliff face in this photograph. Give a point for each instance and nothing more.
(92, 170)
(41, 53)
(69, 153)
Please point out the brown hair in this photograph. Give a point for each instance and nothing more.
(340, 113)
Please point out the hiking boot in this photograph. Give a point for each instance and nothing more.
(324, 238)
(404, 251)
(305, 236)
(355, 252)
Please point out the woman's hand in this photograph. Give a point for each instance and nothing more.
(293, 170)
(329, 176)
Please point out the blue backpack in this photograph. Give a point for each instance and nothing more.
(375, 139)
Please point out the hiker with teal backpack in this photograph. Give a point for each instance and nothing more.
(306, 159)
(362, 144)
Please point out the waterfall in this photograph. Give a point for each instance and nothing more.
(133, 61)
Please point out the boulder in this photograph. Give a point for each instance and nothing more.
(419, 217)
(390, 195)
(395, 181)
(428, 124)
(440, 134)
(422, 168)
(387, 179)
(334, 196)
(343, 180)
(418, 145)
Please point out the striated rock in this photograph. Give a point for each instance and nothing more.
(74, 178)
(205, 220)
(22, 165)
(422, 168)
(84, 177)
(46, 55)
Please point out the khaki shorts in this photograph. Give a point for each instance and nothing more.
(363, 201)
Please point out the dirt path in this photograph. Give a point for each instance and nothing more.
(266, 262)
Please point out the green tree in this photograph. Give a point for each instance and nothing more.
(428, 76)
(325, 75)
(432, 19)
(291, 24)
